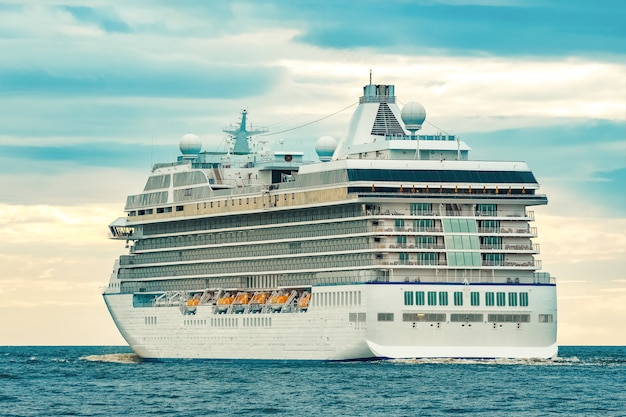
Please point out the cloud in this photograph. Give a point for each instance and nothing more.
(581, 239)
(95, 92)
(105, 19)
(69, 225)
(523, 28)
(166, 80)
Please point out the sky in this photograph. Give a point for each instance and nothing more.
(92, 93)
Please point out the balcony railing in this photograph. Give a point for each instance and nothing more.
(534, 264)
(532, 231)
(523, 247)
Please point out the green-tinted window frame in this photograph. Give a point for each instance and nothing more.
(487, 209)
(419, 298)
(432, 298)
(423, 225)
(513, 299)
(421, 208)
(489, 299)
(523, 299)
(443, 298)
(408, 298)
(475, 298)
(501, 298)
(458, 298)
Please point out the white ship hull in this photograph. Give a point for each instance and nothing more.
(342, 332)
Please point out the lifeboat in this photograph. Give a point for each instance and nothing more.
(224, 303)
(277, 302)
(257, 302)
(191, 305)
(240, 302)
(303, 304)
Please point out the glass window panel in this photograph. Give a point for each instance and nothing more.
(408, 298)
(475, 298)
(432, 298)
(513, 299)
(458, 298)
(419, 298)
(523, 299)
(489, 298)
(501, 299)
(443, 298)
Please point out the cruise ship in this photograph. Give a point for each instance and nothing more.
(395, 244)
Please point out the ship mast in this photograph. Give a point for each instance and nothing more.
(241, 135)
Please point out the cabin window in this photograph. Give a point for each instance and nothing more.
(501, 299)
(419, 298)
(545, 318)
(408, 298)
(475, 298)
(486, 210)
(458, 298)
(385, 316)
(489, 299)
(513, 299)
(472, 318)
(432, 298)
(523, 299)
(443, 298)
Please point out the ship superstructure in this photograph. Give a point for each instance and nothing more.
(395, 245)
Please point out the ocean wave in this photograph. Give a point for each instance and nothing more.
(558, 361)
(126, 358)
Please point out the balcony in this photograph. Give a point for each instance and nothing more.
(523, 248)
(520, 231)
(532, 264)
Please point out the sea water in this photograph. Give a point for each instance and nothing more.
(112, 381)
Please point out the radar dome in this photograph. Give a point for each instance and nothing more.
(413, 115)
(325, 148)
(190, 146)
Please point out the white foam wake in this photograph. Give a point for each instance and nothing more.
(113, 358)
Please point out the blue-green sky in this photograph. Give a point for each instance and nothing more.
(93, 92)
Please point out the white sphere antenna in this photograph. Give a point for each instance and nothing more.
(413, 115)
(325, 148)
(190, 146)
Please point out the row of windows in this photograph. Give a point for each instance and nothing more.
(225, 322)
(188, 193)
(357, 317)
(195, 322)
(432, 298)
(432, 175)
(248, 266)
(236, 221)
(337, 299)
(465, 318)
(248, 251)
(256, 234)
(257, 322)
